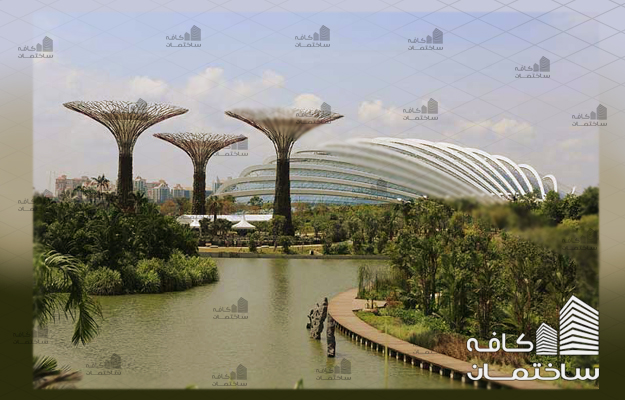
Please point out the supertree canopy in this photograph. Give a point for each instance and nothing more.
(284, 126)
(200, 147)
(126, 121)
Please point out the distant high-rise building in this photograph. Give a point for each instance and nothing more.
(196, 33)
(47, 44)
(242, 305)
(438, 36)
(545, 64)
(324, 33)
(179, 192)
(63, 183)
(602, 112)
(579, 328)
(139, 185)
(432, 106)
(160, 193)
(546, 340)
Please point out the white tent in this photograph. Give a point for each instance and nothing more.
(243, 225)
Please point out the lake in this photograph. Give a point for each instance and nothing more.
(173, 340)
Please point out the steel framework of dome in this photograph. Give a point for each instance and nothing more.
(387, 170)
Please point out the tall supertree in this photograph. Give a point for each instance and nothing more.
(200, 147)
(126, 121)
(284, 126)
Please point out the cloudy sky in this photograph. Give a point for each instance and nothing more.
(248, 57)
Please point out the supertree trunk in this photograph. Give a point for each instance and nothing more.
(199, 191)
(200, 147)
(126, 121)
(124, 176)
(282, 198)
(284, 126)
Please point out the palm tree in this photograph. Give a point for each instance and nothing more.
(46, 374)
(214, 205)
(59, 287)
(102, 183)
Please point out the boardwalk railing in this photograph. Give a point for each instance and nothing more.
(342, 308)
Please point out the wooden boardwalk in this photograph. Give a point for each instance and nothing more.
(342, 308)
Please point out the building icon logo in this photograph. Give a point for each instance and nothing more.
(196, 33)
(346, 366)
(602, 112)
(241, 373)
(242, 305)
(579, 329)
(432, 106)
(47, 44)
(324, 33)
(326, 110)
(546, 340)
(545, 64)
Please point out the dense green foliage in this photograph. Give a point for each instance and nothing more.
(104, 236)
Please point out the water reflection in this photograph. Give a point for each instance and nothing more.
(172, 340)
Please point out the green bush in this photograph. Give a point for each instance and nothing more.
(104, 281)
(178, 273)
(148, 282)
(285, 242)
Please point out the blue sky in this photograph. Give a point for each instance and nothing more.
(248, 58)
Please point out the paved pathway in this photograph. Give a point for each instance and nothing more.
(342, 308)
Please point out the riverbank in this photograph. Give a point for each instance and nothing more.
(342, 309)
(242, 252)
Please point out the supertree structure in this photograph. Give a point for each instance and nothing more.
(200, 147)
(126, 121)
(284, 126)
